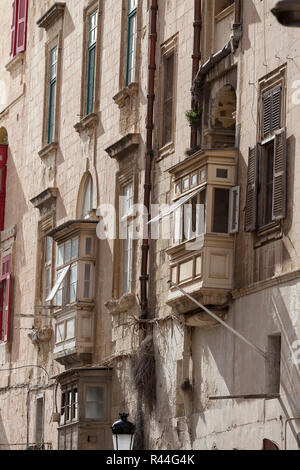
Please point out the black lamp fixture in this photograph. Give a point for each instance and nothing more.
(123, 433)
(287, 12)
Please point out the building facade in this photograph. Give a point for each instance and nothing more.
(191, 107)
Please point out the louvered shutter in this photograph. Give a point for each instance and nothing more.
(3, 172)
(280, 176)
(22, 26)
(251, 198)
(271, 111)
(14, 28)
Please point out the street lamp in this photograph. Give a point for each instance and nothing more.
(123, 433)
(287, 12)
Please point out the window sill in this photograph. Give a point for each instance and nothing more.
(17, 60)
(88, 123)
(127, 92)
(165, 151)
(125, 303)
(48, 150)
(224, 13)
(267, 234)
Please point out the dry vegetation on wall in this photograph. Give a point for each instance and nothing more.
(143, 371)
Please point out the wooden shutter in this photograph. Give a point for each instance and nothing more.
(22, 26)
(14, 28)
(6, 289)
(251, 198)
(234, 210)
(271, 111)
(280, 176)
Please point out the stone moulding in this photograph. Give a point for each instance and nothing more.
(15, 62)
(217, 297)
(121, 97)
(122, 305)
(51, 15)
(124, 145)
(48, 149)
(44, 198)
(42, 335)
(87, 124)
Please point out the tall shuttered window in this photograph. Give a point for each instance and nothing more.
(5, 299)
(132, 39)
(52, 94)
(168, 103)
(19, 26)
(91, 61)
(127, 237)
(267, 167)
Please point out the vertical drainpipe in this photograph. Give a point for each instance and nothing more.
(196, 59)
(149, 153)
(237, 13)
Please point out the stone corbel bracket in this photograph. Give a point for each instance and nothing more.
(87, 125)
(122, 305)
(122, 96)
(40, 336)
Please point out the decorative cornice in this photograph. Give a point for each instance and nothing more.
(122, 305)
(45, 198)
(268, 283)
(48, 149)
(52, 15)
(121, 97)
(204, 156)
(9, 233)
(124, 145)
(15, 61)
(88, 123)
(70, 227)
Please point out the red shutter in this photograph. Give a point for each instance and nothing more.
(3, 172)
(6, 284)
(14, 28)
(22, 26)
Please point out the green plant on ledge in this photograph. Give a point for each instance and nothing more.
(194, 117)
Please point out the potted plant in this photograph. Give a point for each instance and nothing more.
(194, 117)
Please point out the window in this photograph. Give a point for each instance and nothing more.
(67, 272)
(131, 39)
(274, 364)
(39, 420)
(126, 236)
(5, 299)
(52, 94)
(189, 218)
(87, 203)
(221, 210)
(168, 104)
(94, 404)
(91, 61)
(267, 167)
(19, 27)
(3, 173)
(69, 406)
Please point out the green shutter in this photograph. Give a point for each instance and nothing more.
(52, 95)
(91, 62)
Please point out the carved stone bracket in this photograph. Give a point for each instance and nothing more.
(123, 95)
(122, 305)
(39, 336)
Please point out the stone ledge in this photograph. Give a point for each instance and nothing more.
(124, 145)
(45, 197)
(122, 305)
(121, 97)
(48, 149)
(88, 123)
(51, 15)
(15, 61)
(8, 233)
